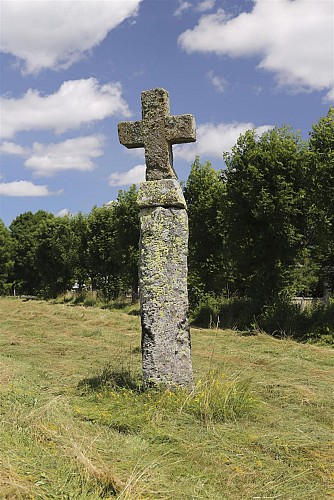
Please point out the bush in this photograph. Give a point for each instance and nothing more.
(280, 319)
(320, 323)
(206, 311)
(284, 319)
(235, 312)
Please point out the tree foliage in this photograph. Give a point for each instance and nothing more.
(6, 258)
(55, 256)
(24, 230)
(127, 238)
(103, 265)
(267, 209)
(205, 192)
(321, 149)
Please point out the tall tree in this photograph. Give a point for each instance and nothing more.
(24, 230)
(267, 210)
(127, 238)
(80, 227)
(6, 258)
(321, 145)
(55, 256)
(103, 263)
(209, 268)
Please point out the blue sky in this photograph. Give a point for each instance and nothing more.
(72, 70)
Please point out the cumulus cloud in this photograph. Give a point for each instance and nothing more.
(135, 175)
(54, 34)
(23, 188)
(213, 140)
(46, 160)
(10, 148)
(293, 39)
(72, 154)
(75, 103)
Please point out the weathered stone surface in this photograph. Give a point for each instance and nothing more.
(163, 242)
(163, 193)
(164, 296)
(157, 132)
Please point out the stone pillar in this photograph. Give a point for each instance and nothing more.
(163, 241)
(163, 284)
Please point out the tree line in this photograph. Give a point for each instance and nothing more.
(260, 229)
(45, 255)
(264, 226)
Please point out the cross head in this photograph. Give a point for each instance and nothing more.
(157, 132)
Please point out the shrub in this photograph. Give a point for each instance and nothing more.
(320, 323)
(282, 319)
(206, 311)
(235, 312)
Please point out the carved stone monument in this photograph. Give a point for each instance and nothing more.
(163, 242)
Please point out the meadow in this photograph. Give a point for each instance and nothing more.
(75, 423)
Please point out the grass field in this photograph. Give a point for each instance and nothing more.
(75, 424)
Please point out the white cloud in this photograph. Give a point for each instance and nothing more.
(135, 175)
(294, 40)
(183, 6)
(201, 6)
(75, 103)
(329, 96)
(218, 82)
(63, 212)
(213, 140)
(205, 5)
(54, 34)
(46, 160)
(23, 188)
(10, 148)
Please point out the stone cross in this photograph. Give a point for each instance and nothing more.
(163, 246)
(157, 132)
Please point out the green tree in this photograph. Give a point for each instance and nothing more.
(56, 255)
(209, 268)
(267, 209)
(80, 227)
(104, 267)
(321, 147)
(6, 258)
(24, 230)
(126, 215)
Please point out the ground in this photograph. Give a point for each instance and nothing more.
(74, 424)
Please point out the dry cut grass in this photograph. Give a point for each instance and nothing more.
(75, 423)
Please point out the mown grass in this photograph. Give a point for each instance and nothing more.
(75, 423)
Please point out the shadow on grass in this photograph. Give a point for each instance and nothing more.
(111, 377)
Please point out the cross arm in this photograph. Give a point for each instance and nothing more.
(131, 134)
(180, 129)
